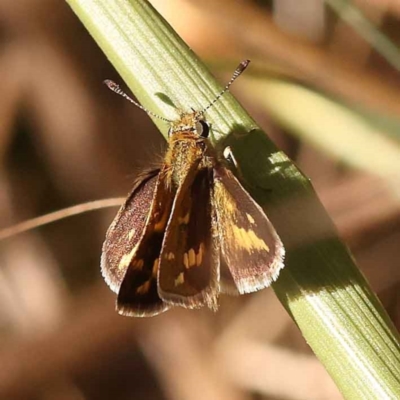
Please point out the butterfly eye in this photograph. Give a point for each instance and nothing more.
(202, 128)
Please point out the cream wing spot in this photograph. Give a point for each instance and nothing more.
(248, 239)
(184, 220)
(161, 222)
(138, 264)
(199, 255)
(131, 233)
(192, 258)
(250, 218)
(179, 280)
(186, 260)
(126, 258)
(155, 267)
(143, 289)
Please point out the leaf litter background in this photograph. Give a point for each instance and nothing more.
(324, 83)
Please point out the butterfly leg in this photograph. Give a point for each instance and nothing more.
(229, 156)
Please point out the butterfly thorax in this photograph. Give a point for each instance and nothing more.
(186, 148)
(185, 154)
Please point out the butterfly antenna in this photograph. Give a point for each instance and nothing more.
(238, 71)
(116, 89)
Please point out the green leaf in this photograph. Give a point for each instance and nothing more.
(321, 287)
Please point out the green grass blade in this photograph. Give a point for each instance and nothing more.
(321, 287)
(349, 12)
(330, 126)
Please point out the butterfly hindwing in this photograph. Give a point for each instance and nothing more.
(189, 265)
(250, 246)
(138, 294)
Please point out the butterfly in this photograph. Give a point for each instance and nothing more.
(188, 231)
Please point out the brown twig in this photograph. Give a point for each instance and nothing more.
(58, 215)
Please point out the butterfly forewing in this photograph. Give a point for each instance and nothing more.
(126, 230)
(138, 294)
(189, 264)
(250, 246)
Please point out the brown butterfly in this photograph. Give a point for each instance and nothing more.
(188, 230)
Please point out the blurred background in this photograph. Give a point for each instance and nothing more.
(324, 84)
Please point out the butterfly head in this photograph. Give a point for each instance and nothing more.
(192, 123)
